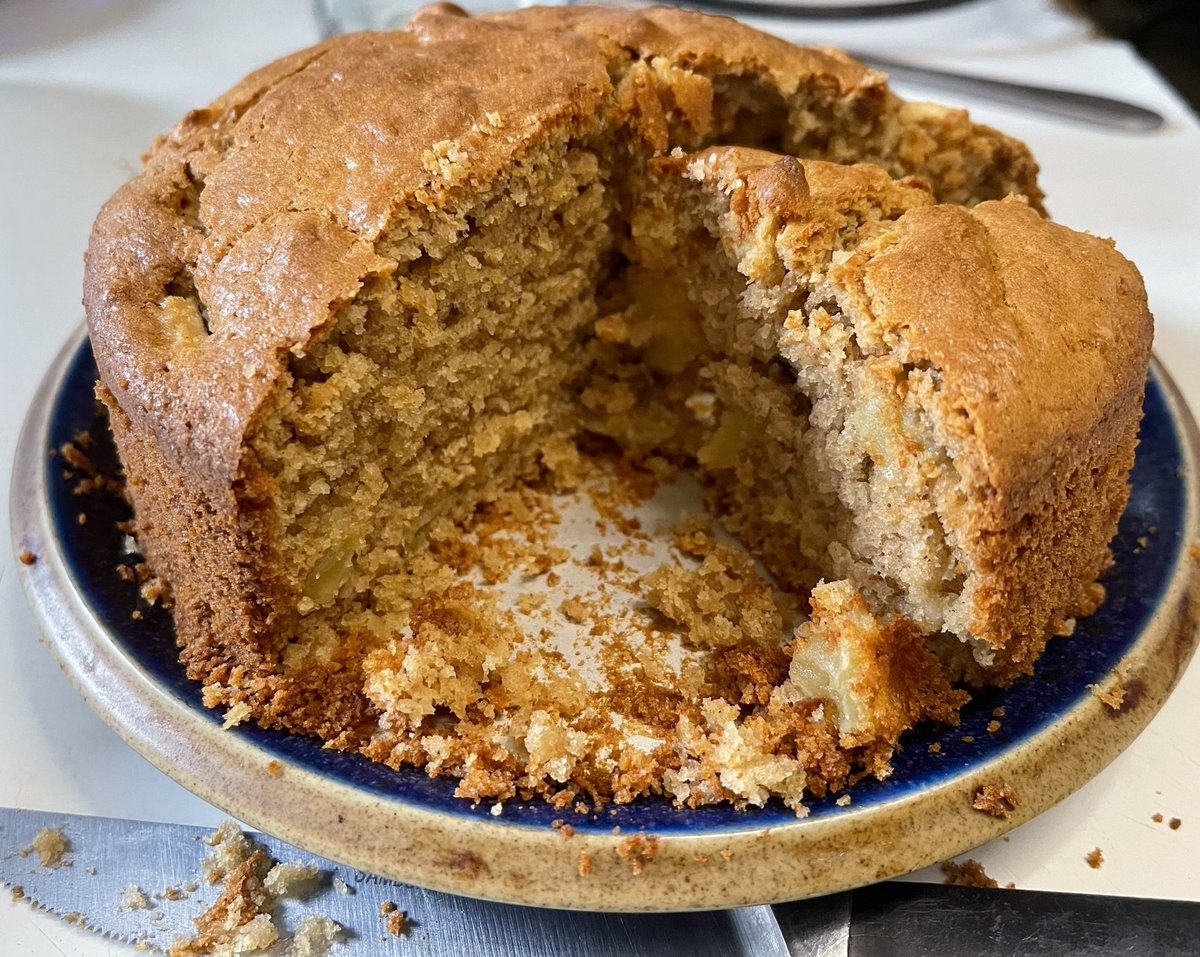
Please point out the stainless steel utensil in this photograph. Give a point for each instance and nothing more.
(1065, 104)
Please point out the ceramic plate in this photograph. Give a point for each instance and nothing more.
(1054, 736)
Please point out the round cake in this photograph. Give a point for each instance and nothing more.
(399, 286)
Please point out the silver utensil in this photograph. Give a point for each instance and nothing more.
(1065, 104)
(165, 862)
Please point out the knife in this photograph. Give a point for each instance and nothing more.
(1066, 104)
(165, 862)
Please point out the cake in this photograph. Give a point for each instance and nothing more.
(390, 281)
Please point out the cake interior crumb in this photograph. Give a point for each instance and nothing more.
(243, 919)
(134, 898)
(50, 845)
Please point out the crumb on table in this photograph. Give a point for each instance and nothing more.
(969, 873)
(1094, 858)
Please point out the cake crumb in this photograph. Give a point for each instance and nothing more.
(235, 715)
(969, 873)
(1113, 695)
(1095, 858)
(134, 898)
(575, 610)
(396, 920)
(343, 888)
(18, 893)
(968, 739)
(1000, 712)
(1174, 824)
(274, 768)
(585, 864)
(935, 748)
(28, 557)
(843, 801)
(241, 920)
(314, 937)
(1157, 817)
(993, 727)
(997, 800)
(563, 828)
(637, 851)
(174, 894)
(49, 845)
(283, 879)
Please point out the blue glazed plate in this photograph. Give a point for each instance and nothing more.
(1055, 733)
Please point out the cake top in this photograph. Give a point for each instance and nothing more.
(1039, 333)
(255, 218)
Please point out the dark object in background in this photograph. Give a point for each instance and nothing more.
(1165, 32)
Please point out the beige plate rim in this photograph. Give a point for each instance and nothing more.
(495, 860)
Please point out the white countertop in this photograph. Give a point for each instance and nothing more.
(86, 85)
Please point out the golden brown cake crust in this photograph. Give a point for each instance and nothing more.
(299, 168)
(1041, 338)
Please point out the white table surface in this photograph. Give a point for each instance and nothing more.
(85, 85)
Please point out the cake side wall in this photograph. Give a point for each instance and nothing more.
(211, 554)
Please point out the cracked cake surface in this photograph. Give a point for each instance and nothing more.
(372, 321)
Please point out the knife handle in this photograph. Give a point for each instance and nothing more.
(932, 920)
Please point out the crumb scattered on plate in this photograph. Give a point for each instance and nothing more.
(998, 800)
(1113, 695)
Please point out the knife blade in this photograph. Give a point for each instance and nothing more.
(886, 920)
(109, 855)
(1103, 111)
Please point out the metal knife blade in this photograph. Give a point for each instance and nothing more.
(109, 855)
(1065, 104)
